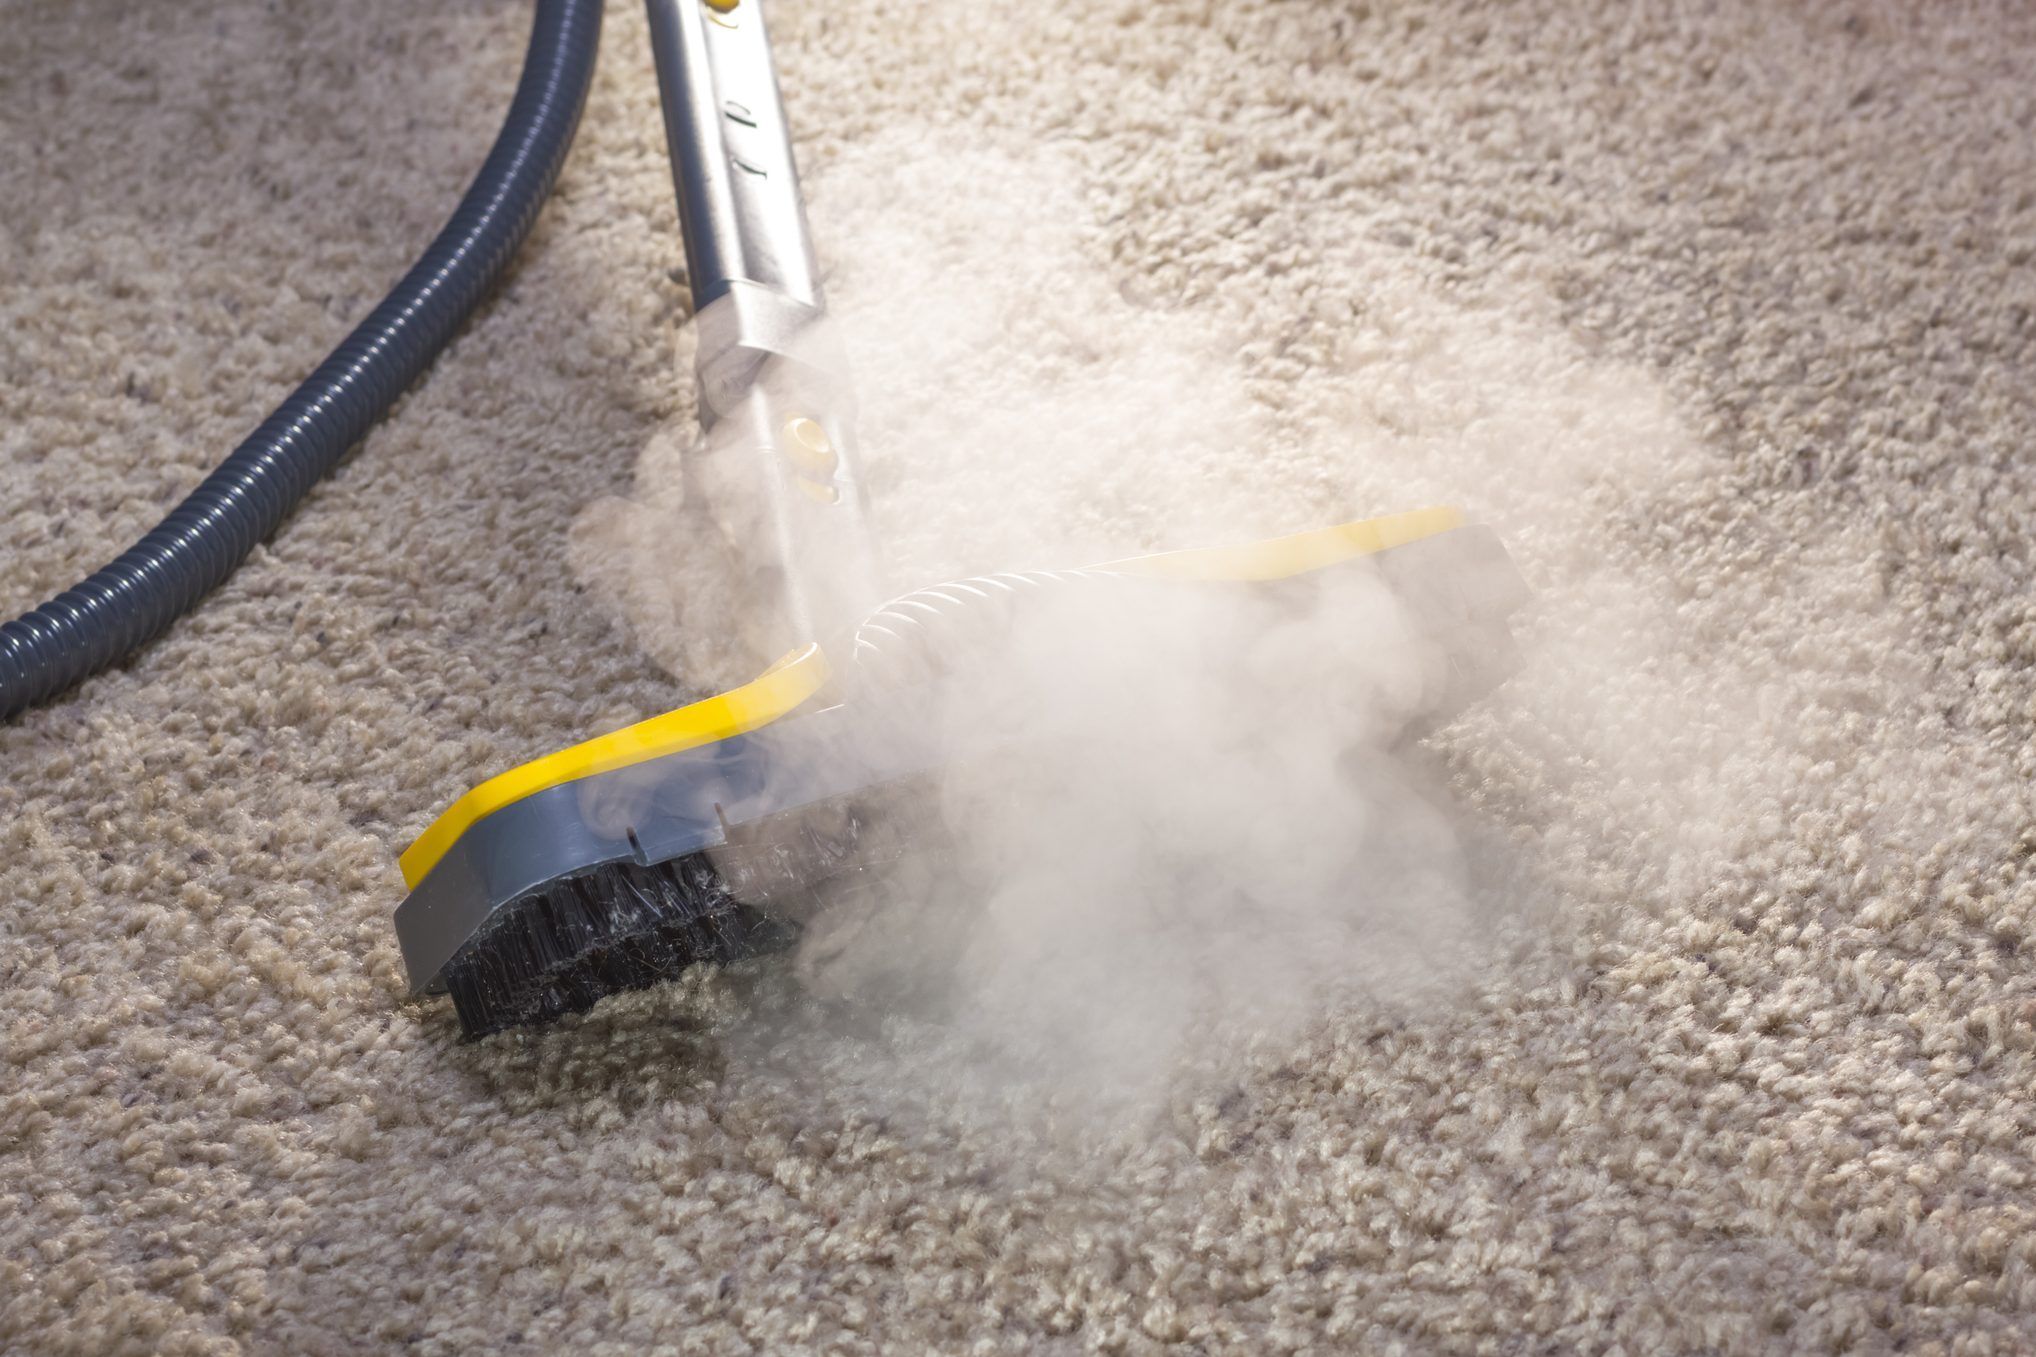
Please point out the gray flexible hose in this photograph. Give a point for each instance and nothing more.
(155, 581)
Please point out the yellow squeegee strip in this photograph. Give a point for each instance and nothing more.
(764, 699)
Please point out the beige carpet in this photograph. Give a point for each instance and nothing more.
(1724, 314)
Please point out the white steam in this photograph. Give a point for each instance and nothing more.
(1193, 819)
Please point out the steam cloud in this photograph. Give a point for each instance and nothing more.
(1165, 826)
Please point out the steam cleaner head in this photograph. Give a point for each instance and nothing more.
(706, 834)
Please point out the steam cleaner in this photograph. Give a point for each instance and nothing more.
(715, 831)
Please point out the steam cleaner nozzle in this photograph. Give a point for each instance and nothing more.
(689, 838)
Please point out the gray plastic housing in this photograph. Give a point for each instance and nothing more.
(651, 812)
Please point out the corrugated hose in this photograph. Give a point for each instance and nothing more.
(159, 578)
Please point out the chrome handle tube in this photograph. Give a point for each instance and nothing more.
(779, 465)
(731, 151)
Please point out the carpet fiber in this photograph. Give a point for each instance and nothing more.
(1723, 314)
